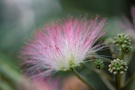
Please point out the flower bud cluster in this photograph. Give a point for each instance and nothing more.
(117, 66)
(99, 64)
(124, 42)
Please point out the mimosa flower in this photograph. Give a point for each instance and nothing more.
(59, 47)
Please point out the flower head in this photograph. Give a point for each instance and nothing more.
(99, 64)
(59, 47)
(118, 66)
(123, 42)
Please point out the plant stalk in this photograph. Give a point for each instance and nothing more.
(119, 82)
(122, 55)
(82, 79)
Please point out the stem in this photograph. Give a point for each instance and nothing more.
(105, 80)
(123, 77)
(119, 82)
(94, 70)
(82, 79)
(122, 55)
(103, 76)
(107, 76)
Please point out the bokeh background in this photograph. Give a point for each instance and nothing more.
(19, 19)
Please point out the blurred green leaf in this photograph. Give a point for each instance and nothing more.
(5, 86)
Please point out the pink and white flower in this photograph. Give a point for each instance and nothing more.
(61, 46)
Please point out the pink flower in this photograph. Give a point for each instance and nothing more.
(58, 47)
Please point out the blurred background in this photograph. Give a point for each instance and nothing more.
(19, 19)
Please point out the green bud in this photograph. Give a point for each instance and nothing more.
(99, 64)
(123, 42)
(117, 66)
